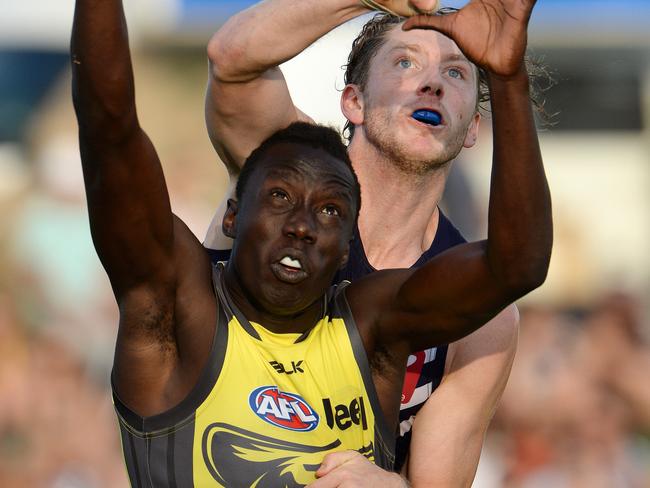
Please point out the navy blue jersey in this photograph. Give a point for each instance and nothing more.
(425, 368)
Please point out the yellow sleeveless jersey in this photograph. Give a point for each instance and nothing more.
(266, 409)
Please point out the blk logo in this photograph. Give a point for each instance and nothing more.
(282, 409)
(294, 368)
(344, 416)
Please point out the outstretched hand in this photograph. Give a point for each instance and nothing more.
(349, 469)
(491, 33)
(407, 8)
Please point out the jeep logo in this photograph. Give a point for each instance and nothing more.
(346, 415)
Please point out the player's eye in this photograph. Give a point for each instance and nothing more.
(279, 194)
(455, 73)
(405, 63)
(330, 210)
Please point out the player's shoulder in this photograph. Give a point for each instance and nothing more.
(372, 297)
(380, 283)
(448, 230)
(447, 236)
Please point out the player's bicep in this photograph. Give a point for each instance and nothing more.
(452, 295)
(241, 114)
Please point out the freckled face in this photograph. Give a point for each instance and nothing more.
(417, 70)
(293, 227)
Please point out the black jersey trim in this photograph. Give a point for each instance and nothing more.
(131, 458)
(231, 308)
(171, 472)
(182, 414)
(385, 438)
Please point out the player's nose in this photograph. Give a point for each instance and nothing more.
(301, 224)
(431, 85)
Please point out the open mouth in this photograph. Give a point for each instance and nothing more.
(289, 270)
(430, 117)
(291, 263)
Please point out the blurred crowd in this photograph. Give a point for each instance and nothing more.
(576, 410)
(57, 330)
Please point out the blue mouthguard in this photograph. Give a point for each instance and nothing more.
(427, 116)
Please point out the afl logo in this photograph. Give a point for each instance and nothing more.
(282, 409)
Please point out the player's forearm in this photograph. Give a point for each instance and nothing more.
(102, 77)
(451, 425)
(455, 467)
(271, 32)
(520, 231)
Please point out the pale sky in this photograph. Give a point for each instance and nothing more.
(315, 77)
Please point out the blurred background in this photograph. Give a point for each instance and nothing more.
(576, 412)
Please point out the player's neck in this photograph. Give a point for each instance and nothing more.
(291, 322)
(399, 211)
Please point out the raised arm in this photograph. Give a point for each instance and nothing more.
(130, 214)
(139, 242)
(247, 97)
(464, 287)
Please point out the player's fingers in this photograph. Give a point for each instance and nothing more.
(440, 23)
(327, 482)
(424, 6)
(333, 460)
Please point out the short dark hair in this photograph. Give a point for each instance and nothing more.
(313, 135)
(373, 36)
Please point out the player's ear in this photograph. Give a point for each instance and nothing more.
(345, 257)
(472, 131)
(352, 104)
(229, 224)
